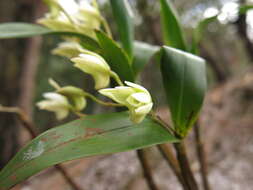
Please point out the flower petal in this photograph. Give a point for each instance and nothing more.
(142, 97)
(136, 86)
(118, 94)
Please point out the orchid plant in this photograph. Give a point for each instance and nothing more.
(114, 66)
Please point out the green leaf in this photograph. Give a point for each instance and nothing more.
(172, 32)
(21, 30)
(243, 9)
(116, 57)
(124, 18)
(184, 79)
(25, 30)
(143, 52)
(89, 136)
(199, 31)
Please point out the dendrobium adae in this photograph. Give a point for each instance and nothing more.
(68, 15)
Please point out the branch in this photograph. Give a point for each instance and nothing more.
(147, 171)
(201, 156)
(172, 162)
(185, 166)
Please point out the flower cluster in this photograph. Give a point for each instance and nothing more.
(86, 18)
(67, 15)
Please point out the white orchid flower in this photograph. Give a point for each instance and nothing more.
(135, 97)
(68, 15)
(56, 103)
(94, 65)
(65, 99)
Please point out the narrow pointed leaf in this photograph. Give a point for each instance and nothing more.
(143, 52)
(172, 32)
(26, 30)
(243, 9)
(124, 18)
(92, 135)
(21, 30)
(184, 79)
(199, 32)
(116, 57)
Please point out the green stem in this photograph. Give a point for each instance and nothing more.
(116, 78)
(157, 119)
(100, 101)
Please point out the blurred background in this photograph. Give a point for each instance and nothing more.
(226, 120)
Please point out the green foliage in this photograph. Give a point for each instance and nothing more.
(91, 135)
(21, 30)
(25, 30)
(143, 52)
(184, 80)
(172, 33)
(116, 57)
(124, 18)
(243, 9)
(199, 31)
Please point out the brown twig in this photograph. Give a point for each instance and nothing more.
(24, 119)
(187, 173)
(172, 162)
(147, 170)
(201, 157)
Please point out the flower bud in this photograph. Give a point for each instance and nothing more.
(75, 95)
(68, 49)
(136, 98)
(94, 65)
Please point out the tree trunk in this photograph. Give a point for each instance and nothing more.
(13, 65)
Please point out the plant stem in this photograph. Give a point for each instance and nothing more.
(185, 166)
(157, 119)
(172, 162)
(147, 171)
(100, 101)
(116, 78)
(24, 119)
(201, 156)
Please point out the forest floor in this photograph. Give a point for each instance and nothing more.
(227, 128)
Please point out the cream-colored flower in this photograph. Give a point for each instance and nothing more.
(65, 99)
(135, 97)
(56, 103)
(67, 15)
(68, 49)
(75, 95)
(94, 65)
